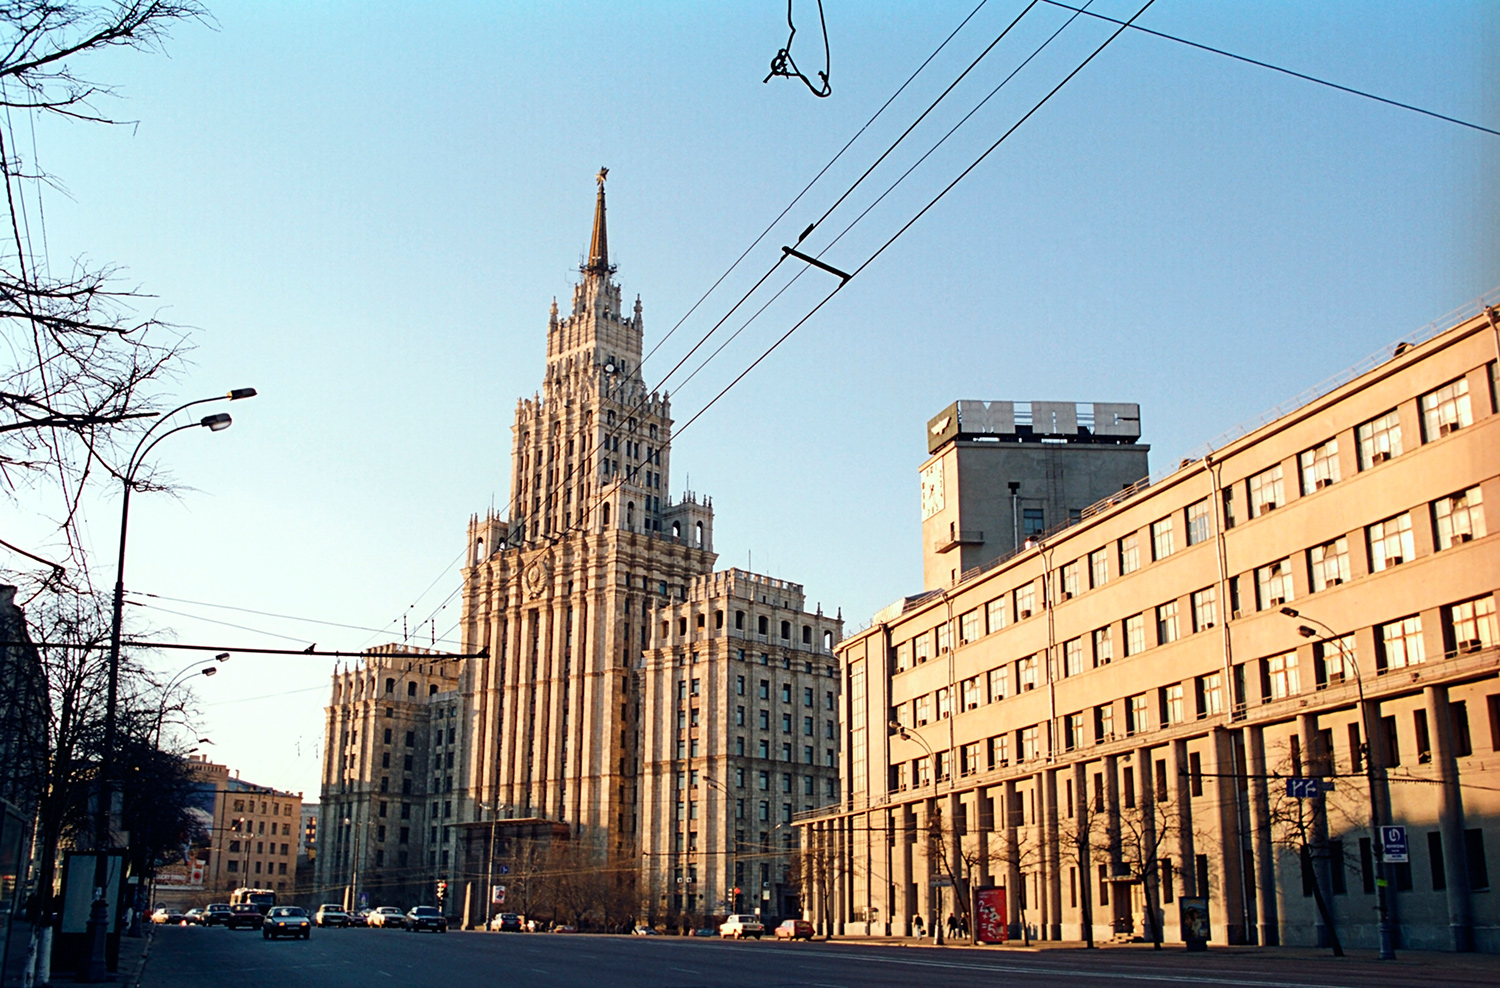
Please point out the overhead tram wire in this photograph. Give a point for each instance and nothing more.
(588, 456)
(821, 172)
(456, 560)
(248, 610)
(243, 627)
(920, 213)
(879, 199)
(1277, 68)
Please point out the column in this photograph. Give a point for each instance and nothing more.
(1151, 844)
(1317, 830)
(1187, 849)
(904, 905)
(1081, 850)
(1450, 820)
(1226, 898)
(1260, 837)
(1013, 892)
(1050, 858)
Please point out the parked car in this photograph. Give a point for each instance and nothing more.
(646, 931)
(217, 914)
(360, 918)
(794, 929)
(705, 931)
(193, 917)
(244, 917)
(426, 918)
(286, 921)
(565, 929)
(386, 917)
(165, 915)
(740, 926)
(331, 914)
(506, 922)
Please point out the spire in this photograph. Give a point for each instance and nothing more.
(599, 245)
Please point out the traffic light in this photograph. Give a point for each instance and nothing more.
(442, 890)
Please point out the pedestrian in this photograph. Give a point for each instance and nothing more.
(952, 925)
(917, 929)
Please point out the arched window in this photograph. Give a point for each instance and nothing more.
(411, 689)
(807, 634)
(432, 689)
(828, 640)
(786, 629)
(761, 625)
(390, 686)
(479, 551)
(605, 523)
(630, 516)
(739, 620)
(676, 529)
(699, 542)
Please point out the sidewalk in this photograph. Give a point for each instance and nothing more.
(133, 955)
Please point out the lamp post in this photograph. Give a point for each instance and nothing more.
(1372, 774)
(489, 867)
(734, 883)
(201, 668)
(103, 833)
(908, 735)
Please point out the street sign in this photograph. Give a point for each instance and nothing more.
(505, 869)
(1393, 844)
(942, 881)
(1305, 788)
(364, 900)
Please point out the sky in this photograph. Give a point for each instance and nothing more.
(364, 210)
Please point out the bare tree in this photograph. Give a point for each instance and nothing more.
(79, 364)
(1142, 832)
(1085, 840)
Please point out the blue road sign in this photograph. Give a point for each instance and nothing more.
(1304, 788)
(1393, 844)
(505, 869)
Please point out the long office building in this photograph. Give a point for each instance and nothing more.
(1227, 684)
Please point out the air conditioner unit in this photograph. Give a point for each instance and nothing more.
(1337, 580)
(1067, 595)
(1395, 560)
(1268, 506)
(1472, 645)
(1276, 602)
(1237, 614)
(1024, 615)
(1324, 482)
(1463, 536)
(1381, 456)
(1448, 427)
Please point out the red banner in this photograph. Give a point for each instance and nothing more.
(990, 925)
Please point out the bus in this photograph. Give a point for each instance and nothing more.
(261, 899)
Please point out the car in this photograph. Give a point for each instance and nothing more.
(646, 931)
(244, 917)
(705, 931)
(193, 917)
(165, 915)
(741, 926)
(331, 914)
(387, 917)
(360, 918)
(217, 914)
(794, 929)
(565, 929)
(287, 921)
(506, 922)
(426, 918)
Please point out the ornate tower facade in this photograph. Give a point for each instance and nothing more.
(562, 591)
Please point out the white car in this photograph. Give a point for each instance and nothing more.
(389, 917)
(740, 927)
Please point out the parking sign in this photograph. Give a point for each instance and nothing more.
(1393, 844)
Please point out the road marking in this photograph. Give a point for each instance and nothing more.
(685, 970)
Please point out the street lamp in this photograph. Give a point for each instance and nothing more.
(734, 847)
(908, 735)
(103, 833)
(1372, 773)
(203, 669)
(489, 868)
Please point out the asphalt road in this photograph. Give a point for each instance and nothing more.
(191, 956)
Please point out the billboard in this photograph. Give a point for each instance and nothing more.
(990, 923)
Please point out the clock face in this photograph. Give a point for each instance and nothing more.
(932, 490)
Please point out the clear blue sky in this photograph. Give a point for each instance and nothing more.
(364, 210)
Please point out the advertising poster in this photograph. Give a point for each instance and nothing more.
(990, 923)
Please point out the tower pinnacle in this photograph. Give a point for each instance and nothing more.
(599, 244)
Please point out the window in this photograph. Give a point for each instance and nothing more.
(786, 723)
(1205, 608)
(765, 689)
(739, 684)
(1137, 714)
(968, 759)
(922, 647)
(1025, 602)
(1459, 518)
(765, 720)
(996, 611)
(968, 626)
(786, 692)
(1073, 657)
(1197, 522)
(1026, 674)
(1166, 623)
(1030, 744)
(1446, 410)
(944, 637)
(1335, 661)
(1379, 439)
(999, 752)
(1130, 553)
(1172, 709)
(1135, 634)
(999, 683)
(1069, 580)
(924, 708)
(1210, 694)
(1328, 564)
(903, 656)
(1073, 733)
(1319, 466)
(1281, 676)
(971, 699)
(1391, 542)
(1400, 643)
(1469, 626)
(1266, 491)
(1104, 647)
(1104, 723)
(1098, 568)
(944, 707)
(1162, 542)
(1273, 585)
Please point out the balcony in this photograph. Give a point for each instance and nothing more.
(956, 538)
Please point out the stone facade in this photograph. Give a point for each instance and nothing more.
(739, 695)
(1104, 723)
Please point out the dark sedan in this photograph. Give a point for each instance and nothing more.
(426, 918)
(245, 917)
